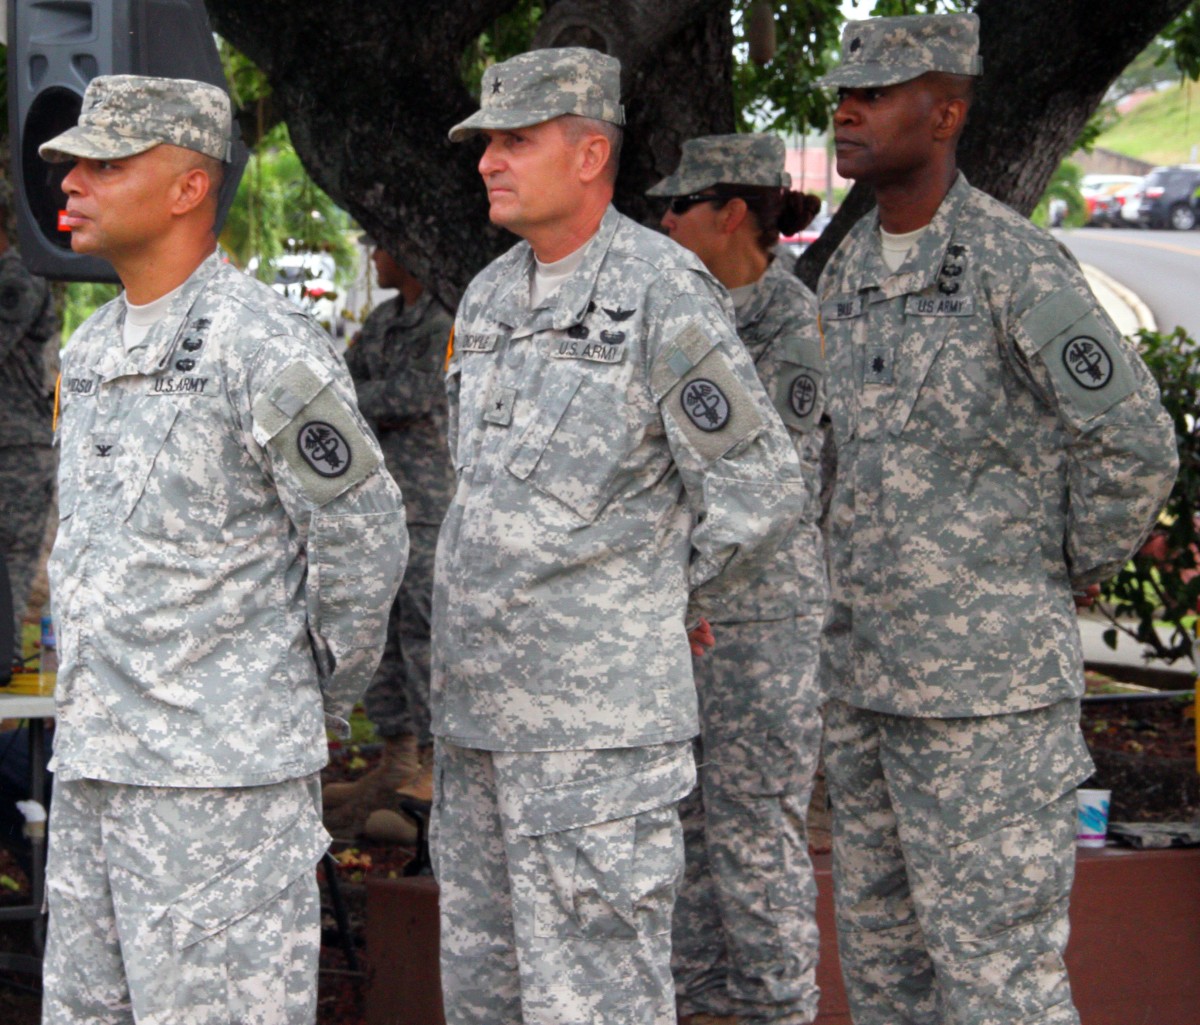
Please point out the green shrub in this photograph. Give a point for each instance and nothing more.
(1161, 584)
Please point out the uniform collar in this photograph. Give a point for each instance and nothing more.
(569, 304)
(160, 342)
(764, 291)
(412, 315)
(920, 270)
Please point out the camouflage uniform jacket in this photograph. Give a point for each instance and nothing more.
(998, 444)
(398, 365)
(229, 544)
(586, 435)
(27, 323)
(778, 325)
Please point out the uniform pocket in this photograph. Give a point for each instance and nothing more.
(173, 483)
(574, 447)
(210, 907)
(612, 847)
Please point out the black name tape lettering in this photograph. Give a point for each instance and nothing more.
(180, 385)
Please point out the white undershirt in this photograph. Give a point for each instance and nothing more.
(548, 277)
(741, 295)
(897, 247)
(140, 319)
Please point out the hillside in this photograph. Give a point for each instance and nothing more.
(1164, 129)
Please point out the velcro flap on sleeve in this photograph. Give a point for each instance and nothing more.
(1084, 357)
(690, 346)
(315, 432)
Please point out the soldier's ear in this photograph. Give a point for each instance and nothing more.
(595, 152)
(193, 187)
(950, 118)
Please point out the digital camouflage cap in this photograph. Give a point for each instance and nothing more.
(728, 160)
(124, 115)
(544, 84)
(888, 51)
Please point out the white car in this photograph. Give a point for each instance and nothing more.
(1100, 193)
(308, 280)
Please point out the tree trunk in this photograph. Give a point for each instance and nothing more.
(1046, 67)
(370, 100)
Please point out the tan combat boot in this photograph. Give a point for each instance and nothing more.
(347, 805)
(386, 826)
(420, 788)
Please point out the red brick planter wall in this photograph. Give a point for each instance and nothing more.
(1134, 954)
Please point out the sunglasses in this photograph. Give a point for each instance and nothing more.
(680, 205)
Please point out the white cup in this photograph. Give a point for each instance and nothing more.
(1091, 823)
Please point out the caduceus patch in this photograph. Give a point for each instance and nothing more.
(705, 404)
(1088, 363)
(802, 396)
(324, 449)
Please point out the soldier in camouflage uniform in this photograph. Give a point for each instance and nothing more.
(398, 363)
(745, 934)
(28, 322)
(228, 548)
(999, 447)
(600, 405)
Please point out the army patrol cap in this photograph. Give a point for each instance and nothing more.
(888, 51)
(124, 115)
(727, 160)
(544, 84)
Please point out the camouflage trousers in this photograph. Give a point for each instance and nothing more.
(953, 844)
(558, 871)
(26, 492)
(173, 906)
(745, 931)
(397, 701)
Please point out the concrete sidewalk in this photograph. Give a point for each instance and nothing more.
(1125, 307)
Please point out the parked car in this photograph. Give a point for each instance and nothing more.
(1130, 199)
(308, 280)
(1169, 199)
(1100, 194)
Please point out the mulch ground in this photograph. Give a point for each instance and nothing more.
(1145, 753)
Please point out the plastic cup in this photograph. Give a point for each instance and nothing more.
(1091, 826)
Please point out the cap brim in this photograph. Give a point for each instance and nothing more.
(866, 76)
(680, 185)
(482, 120)
(92, 145)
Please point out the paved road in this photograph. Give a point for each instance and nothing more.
(1160, 266)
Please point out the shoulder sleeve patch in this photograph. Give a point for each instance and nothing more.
(1085, 359)
(302, 418)
(703, 395)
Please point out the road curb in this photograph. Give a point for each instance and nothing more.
(1141, 312)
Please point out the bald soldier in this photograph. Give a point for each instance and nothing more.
(229, 547)
(600, 405)
(1000, 447)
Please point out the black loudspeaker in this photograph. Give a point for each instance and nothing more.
(55, 47)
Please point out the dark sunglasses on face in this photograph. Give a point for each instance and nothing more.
(680, 205)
